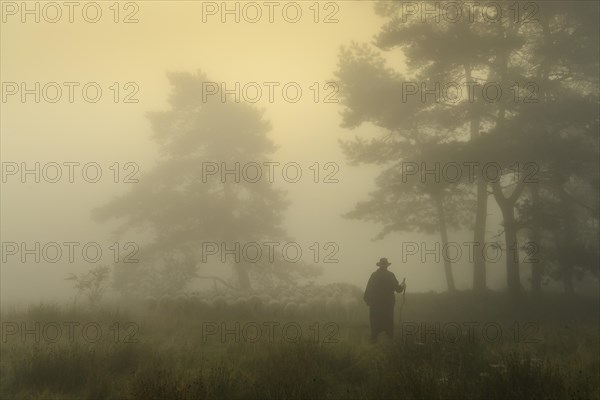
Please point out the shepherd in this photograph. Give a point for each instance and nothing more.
(379, 296)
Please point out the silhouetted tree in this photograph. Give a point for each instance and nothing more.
(404, 202)
(449, 52)
(436, 54)
(414, 132)
(180, 207)
(558, 132)
(548, 61)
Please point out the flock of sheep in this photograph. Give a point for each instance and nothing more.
(336, 302)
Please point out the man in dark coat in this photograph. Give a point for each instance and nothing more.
(379, 296)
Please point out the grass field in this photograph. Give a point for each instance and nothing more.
(458, 346)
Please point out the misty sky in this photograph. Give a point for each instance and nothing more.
(170, 36)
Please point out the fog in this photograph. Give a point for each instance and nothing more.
(106, 132)
(185, 163)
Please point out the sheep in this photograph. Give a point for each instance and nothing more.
(317, 304)
(166, 302)
(333, 308)
(203, 306)
(150, 303)
(219, 304)
(350, 306)
(265, 298)
(304, 310)
(181, 302)
(194, 301)
(290, 309)
(273, 308)
(255, 304)
(239, 307)
(298, 298)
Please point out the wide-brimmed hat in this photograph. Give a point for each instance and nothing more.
(383, 262)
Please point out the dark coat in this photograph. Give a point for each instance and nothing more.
(379, 296)
(381, 287)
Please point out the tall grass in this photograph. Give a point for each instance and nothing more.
(170, 362)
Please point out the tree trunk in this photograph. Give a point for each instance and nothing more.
(537, 267)
(567, 278)
(507, 205)
(513, 279)
(564, 258)
(444, 233)
(479, 267)
(240, 269)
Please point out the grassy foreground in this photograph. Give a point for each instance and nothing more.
(546, 349)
